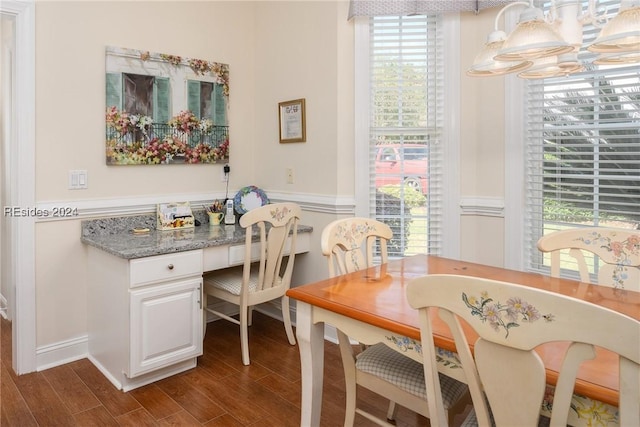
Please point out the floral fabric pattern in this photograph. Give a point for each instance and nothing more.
(622, 252)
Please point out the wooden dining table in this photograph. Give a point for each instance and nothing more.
(370, 305)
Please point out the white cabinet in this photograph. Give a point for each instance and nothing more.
(166, 325)
(144, 315)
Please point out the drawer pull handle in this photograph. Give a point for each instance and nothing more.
(170, 266)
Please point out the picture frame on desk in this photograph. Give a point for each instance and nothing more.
(292, 119)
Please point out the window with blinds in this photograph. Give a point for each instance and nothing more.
(582, 153)
(405, 105)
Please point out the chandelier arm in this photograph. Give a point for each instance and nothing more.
(515, 3)
(592, 17)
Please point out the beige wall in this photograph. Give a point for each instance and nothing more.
(481, 144)
(276, 51)
(70, 73)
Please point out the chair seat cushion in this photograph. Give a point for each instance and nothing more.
(231, 281)
(405, 373)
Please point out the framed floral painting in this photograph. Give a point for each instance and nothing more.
(165, 109)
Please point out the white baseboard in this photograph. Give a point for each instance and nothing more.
(3, 307)
(52, 355)
(62, 352)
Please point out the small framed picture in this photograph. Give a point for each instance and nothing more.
(292, 121)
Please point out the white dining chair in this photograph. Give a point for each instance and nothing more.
(616, 260)
(266, 272)
(351, 244)
(506, 376)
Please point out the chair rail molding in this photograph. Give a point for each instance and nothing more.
(482, 206)
(91, 208)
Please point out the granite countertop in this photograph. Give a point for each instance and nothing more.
(115, 236)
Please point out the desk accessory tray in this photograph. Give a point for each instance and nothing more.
(172, 216)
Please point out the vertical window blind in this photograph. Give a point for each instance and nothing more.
(582, 153)
(405, 155)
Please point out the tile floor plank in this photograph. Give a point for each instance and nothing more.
(115, 401)
(71, 389)
(13, 408)
(234, 401)
(139, 417)
(43, 402)
(95, 417)
(181, 419)
(193, 401)
(155, 401)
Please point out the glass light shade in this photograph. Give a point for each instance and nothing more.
(620, 58)
(620, 34)
(532, 38)
(484, 64)
(553, 66)
(542, 68)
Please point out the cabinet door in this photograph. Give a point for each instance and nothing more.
(166, 325)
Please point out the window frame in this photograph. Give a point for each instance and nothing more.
(451, 129)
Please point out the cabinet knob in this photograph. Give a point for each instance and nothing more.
(170, 266)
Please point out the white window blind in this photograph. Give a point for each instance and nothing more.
(405, 134)
(582, 154)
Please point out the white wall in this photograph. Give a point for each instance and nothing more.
(276, 51)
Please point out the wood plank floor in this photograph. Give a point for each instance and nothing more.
(219, 392)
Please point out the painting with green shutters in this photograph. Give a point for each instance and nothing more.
(165, 109)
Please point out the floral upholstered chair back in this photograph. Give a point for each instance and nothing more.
(617, 250)
(349, 244)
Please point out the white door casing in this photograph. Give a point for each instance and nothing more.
(20, 185)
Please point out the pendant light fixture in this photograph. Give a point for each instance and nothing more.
(485, 63)
(546, 46)
(621, 35)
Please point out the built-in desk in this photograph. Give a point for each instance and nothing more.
(144, 309)
(115, 236)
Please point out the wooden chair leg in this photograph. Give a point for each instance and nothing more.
(244, 335)
(349, 365)
(391, 412)
(286, 318)
(204, 323)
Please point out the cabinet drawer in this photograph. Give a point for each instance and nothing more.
(165, 267)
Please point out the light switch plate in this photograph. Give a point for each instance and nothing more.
(78, 180)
